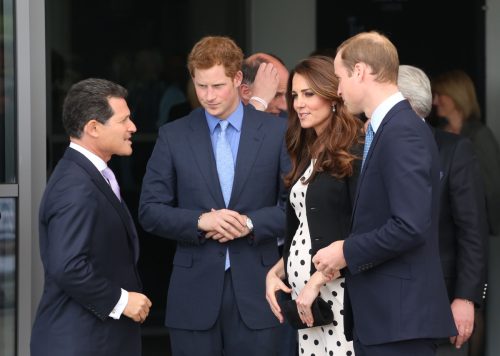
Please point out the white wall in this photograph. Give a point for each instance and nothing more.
(286, 28)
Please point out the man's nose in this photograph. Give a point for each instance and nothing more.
(210, 94)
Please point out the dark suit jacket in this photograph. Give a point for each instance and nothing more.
(89, 250)
(394, 278)
(328, 206)
(181, 182)
(488, 154)
(462, 218)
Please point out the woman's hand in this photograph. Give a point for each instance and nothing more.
(275, 283)
(307, 295)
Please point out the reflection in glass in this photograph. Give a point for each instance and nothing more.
(7, 97)
(7, 276)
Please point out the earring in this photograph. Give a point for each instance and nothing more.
(334, 108)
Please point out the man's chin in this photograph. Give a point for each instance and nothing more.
(125, 152)
(214, 112)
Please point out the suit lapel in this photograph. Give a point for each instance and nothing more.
(251, 139)
(366, 165)
(203, 153)
(104, 187)
(132, 230)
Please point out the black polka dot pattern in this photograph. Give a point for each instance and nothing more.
(327, 339)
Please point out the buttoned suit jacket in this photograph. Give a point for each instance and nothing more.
(395, 285)
(89, 250)
(463, 227)
(181, 183)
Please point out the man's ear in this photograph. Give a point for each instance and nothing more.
(361, 70)
(238, 78)
(91, 128)
(245, 92)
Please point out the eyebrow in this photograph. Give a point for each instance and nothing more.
(302, 90)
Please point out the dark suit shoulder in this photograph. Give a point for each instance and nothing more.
(68, 170)
(445, 138)
(69, 185)
(401, 108)
(195, 117)
(264, 119)
(402, 120)
(449, 144)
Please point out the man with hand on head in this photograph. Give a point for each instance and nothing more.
(213, 184)
(395, 297)
(264, 82)
(91, 302)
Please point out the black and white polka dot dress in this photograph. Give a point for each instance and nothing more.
(321, 340)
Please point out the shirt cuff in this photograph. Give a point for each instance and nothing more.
(120, 306)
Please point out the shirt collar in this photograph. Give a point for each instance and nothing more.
(235, 119)
(382, 110)
(96, 160)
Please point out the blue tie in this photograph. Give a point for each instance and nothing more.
(225, 163)
(368, 142)
(225, 169)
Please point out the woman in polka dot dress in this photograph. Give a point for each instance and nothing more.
(323, 143)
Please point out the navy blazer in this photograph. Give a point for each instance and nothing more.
(394, 280)
(181, 183)
(89, 251)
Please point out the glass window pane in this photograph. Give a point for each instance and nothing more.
(7, 94)
(7, 276)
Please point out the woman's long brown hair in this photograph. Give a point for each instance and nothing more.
(333, 147)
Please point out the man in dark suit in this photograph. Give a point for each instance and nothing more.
(396, 300)
(213, 184)
(462, 223)
(88, 242)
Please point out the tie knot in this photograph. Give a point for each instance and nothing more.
(108, 174)
(369, 132)
(223, 125)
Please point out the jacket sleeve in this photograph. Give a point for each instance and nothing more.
(468, 210)
(158, 211)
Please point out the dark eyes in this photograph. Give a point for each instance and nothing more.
(307, 94)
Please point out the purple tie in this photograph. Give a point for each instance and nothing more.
(110, 177)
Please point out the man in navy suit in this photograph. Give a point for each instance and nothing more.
(213, 184)
(396, 300)
(91, 302)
